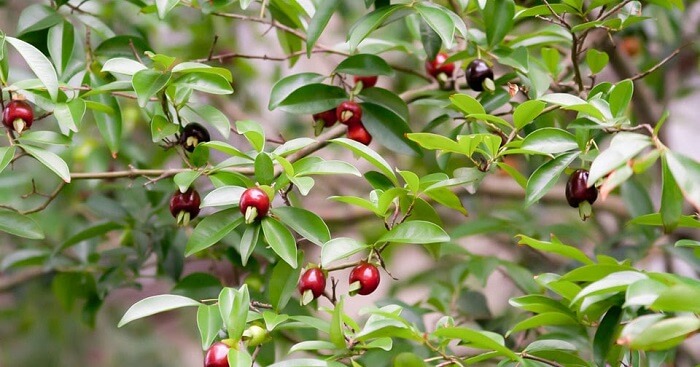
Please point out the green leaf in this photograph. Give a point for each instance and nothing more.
(614, 282)
(596, 60)
(69, 115)
(60, 41)
(212, 116)
(549, 140)
(239, 358)
(340, 248)
(292, 146)
(526, 112)
(283, 283)
(623, 147)
(687, 174)
(24, 257)
(205, 82)
(620, 97)
(544, 177)
(418, 232)
(229, 149)
(605, 336)
(109, 123)
(671, 199)
(6, 155)
(430, 39)
(306, 223)
(272, 320)
(313, 98)
(439, 20)
(20, 225)
(369, 22)
(50, 160)
(161, 128)
(318, 23)
(281, 240)
(156, 304)
(477, 339)
(312, 345)
(285, 86)
(40, 65)
(91, 231)
(556, 247)
(249, 240)
(264, 169)
(209, 323)
(336, 335)
(370, 155)
(678, 298)
(662, 334)
(543, 319)
(364, 64)
(498, 18)
(467, 104)
(37, 17)
(388, 128)
(165, 6)
(233, 307)
(196, 67)
(253, 132)
(212, 229)
(224, 195)
(147, 83)
(122, 65)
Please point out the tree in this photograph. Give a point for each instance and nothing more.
(515, 109)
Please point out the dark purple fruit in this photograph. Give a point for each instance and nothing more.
(477, 72)
(577, 190)
(187, 202)
(192, 135)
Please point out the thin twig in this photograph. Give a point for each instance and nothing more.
(660, 64)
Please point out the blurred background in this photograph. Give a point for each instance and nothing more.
(45, 320)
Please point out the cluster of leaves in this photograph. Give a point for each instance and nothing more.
(538, 108)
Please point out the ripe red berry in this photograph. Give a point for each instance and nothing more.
(217, 355)
(368, 81)
(314, 280)
(349, 113)
(187, 202)
(255, 198)
(358, 133)
(577, 190)
(367, 275)
(192, 135)
(18, 115)
(477, 72)
(329, 117)
(437, 66)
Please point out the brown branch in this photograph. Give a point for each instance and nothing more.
(660, 64)
(540, 359)
(10, 281)
(48, 200)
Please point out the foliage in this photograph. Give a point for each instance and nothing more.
(113, 82)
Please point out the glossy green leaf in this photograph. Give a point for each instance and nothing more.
(498, 17)
(623, 147)
(318, 23)
(550, 140)
(209, 323)
(306, 223)
(556, 247)
(477, 339)
(687, 174)
(233, 307)
(364, 64)
(340, 248)
(283, 283)
(313, 98)
(370, 155)
(212, 229)
(281, 240)
(418, 232)
(285, 86)
(156, 304)
(368, 23)
(526, 112)
(544, 178)
(40, 65)
(19, 225)
(49, 159)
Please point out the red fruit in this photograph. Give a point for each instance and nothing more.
(329, 117)
(367, 275)
(577, 190)
(358, 133)
(18, 115)
(217, 355)
(631, 46)
(349, 113)
(187, 202)
(255, 198)
(313, 280)
(368, 81)
(437, 66)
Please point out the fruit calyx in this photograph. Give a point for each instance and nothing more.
(477, 72)
(254, 204)
(312, 284)
(364, 279)
(349, 113)
(192, 135)
(184, 206)
(18, 115)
